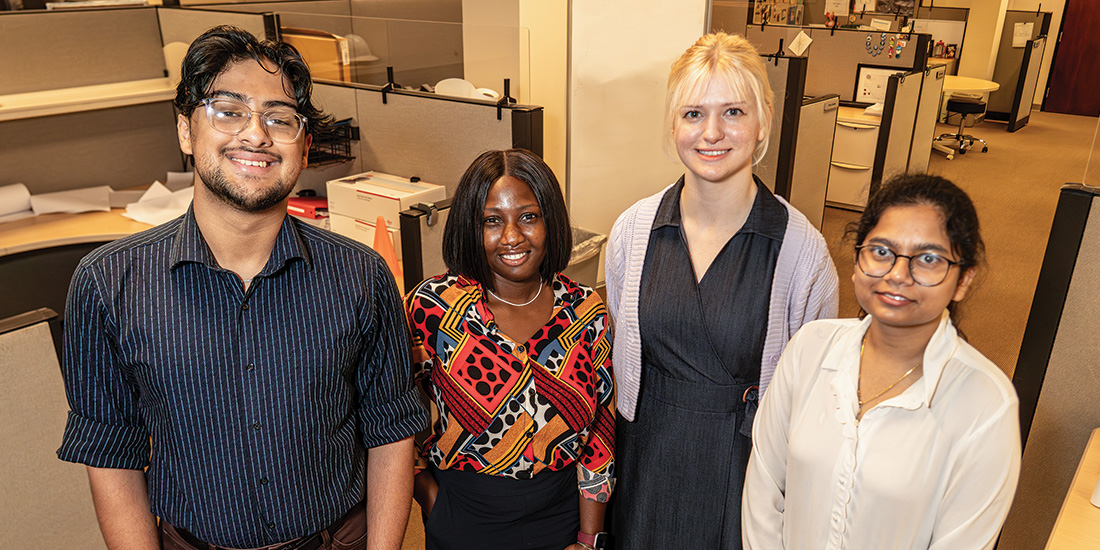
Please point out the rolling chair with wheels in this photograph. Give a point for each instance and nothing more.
(964, 106)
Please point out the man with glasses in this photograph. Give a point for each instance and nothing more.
(256, 368)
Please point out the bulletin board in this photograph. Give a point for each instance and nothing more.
(872, 82)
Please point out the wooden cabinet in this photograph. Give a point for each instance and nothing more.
(853, 157)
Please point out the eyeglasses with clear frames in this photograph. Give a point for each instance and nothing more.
(926, 268)
(230, 116)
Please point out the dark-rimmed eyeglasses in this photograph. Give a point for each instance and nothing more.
(230, 116)
(926, 268)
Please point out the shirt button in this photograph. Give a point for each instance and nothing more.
(244, 307)
(256, 426)
(270, 525)
(263, 481)
(250, 366)
(520, 349)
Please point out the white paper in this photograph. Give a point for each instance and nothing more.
(880, 24)
(1021, 33)
(119, 199)
(90, 199)
(14, 199)
(839, 8)
(162, 208)
(155, 191)
(864, 6)
(179, 180)
(800, 43)
(16, 216)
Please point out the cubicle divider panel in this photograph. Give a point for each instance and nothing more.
(895, 136)
(185, 25)
(325, 15)
(67, 49)
(836, 56)
(1029, 79)
(786, 121)
(434, 138)
(779, 76)
(1008, 68)
(1057, 376)
(924, 126)
(47, 503)
(120, 147)
(810, 178)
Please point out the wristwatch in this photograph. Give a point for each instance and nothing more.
(599, 540)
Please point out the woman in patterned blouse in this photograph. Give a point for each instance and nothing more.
(516, 359)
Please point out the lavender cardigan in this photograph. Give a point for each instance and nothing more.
(804, 288)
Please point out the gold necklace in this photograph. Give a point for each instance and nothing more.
(859, 381)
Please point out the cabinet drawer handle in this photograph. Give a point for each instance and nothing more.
(855, 126)
(847, 166)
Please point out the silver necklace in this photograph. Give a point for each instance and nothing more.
(527, 303)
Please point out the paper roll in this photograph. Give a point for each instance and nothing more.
(14, 198)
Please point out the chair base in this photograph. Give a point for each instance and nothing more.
(964, 142)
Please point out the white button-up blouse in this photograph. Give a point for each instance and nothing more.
(932, 468)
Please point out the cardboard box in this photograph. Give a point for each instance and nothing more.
(362, 231)
(372, 194)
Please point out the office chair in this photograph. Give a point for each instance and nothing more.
(963, 106)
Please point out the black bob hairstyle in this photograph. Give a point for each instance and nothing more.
(463, 241)
(960, 218)
(217, 48)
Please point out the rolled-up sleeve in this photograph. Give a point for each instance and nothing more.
(389, 405)
(104, 428)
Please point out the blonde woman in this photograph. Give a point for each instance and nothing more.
(706, 280)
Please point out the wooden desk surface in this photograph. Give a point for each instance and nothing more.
(50, 230)
(1078, 524)
(953, 83)
(855, 114)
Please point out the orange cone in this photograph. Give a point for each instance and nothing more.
(383, 245)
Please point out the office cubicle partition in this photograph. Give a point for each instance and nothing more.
(1023, 41)
(1057, 375)
(924, 123)
(787, 76)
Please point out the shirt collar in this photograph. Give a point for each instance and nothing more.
(941, 348)
(768, 217)
(190, 246)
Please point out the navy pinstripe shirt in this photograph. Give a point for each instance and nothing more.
(252, 409)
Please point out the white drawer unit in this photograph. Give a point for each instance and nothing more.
(854, 145)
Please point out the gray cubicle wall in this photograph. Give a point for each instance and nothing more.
(185, 25)
(835, 56)
(1017, 69)
(66, 49)
(1057, 375)
(421, 134)
(120, 146)
(787, 76)
(895, 135)
(924, 124)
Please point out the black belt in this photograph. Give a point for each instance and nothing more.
(312, 542)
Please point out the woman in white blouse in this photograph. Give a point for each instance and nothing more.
(889, 431)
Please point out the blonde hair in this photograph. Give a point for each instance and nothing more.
(732, 59)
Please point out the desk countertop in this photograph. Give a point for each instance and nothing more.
(855, 114)
(1078, 524)
(50, 230)
(953, 83)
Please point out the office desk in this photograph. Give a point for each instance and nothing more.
(53, 230)
(1078, 524)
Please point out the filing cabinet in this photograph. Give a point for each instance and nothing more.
(854, 145)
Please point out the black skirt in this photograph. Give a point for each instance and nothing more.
(476, 511)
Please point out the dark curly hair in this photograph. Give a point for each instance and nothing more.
(463, 241)
(217, 48)
(959, 215)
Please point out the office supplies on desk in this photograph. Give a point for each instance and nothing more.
(15, 202)
(74, 201)
(159, 205)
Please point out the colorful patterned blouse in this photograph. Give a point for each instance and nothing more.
(509, 409)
